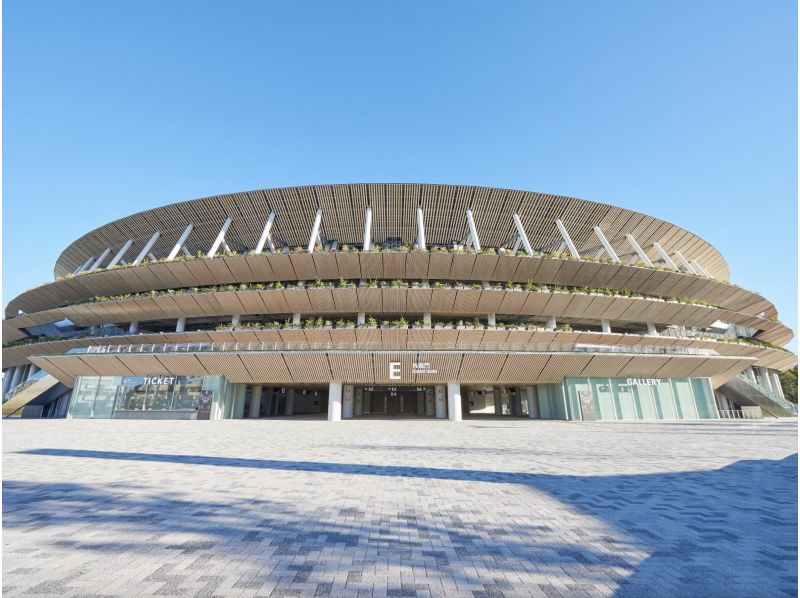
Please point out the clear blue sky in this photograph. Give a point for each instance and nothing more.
(685, 110)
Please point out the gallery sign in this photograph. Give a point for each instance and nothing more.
(643, 381)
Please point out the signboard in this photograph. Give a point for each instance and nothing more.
(204, 404)
(643, 381)
(588, 412)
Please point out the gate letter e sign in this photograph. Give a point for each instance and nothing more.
(394, 370)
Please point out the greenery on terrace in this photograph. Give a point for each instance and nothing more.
(395, 284)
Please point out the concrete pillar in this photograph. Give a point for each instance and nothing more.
(255, 401)
(426, 318)
(358, 406)
(295, 319)
(420, 402)
(7, 376)
(17, 377)
(533, 403)
(606, 326)
(491, 320)
(454, 401)
(361, 319)
(516, 403)
(440, 394)
(430, 410)
(651, 329)
(498, 401)
(31, 371)
(290, 401)
(133, 328)
(551, 322)
(236, 321)
(776, 383)
(180, 326)
(95, 330)
(348, 399)
(334, 401)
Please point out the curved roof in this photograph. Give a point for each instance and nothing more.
(394, 215)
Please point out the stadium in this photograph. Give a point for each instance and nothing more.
(393, 301)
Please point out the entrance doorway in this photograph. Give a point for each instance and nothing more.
(394, 401)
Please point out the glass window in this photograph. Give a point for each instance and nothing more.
(601, 389)
(644, 398)
(704, 398)
(624, 399)
(665, 400)
(684, 398)
(83, 397)
(105, 397)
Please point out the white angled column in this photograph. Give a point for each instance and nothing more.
(220, 238)
(314, 238)
(568, 240)
(180, 326)
(523, 236)
(266, 236)
(147, 247)
(598, 232)
(651, 329)
(665, 256)
(473, 231)
(367, 229)
(255, 401)
(17, 376)
(179, 245)
(334, 401)
(685, 262)
(133, 328)
(120, 254)
(642, 255)
(86, 264)
(236, 321)
(100, 259)
(454, 401)
(420, 230)
(551, 322)
(606, 325)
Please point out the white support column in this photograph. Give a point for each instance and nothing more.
(568, 240)
(266, 236)
(426, 318)
(180, 326)
(255, 401)
(100, 259)
(777, 387)
(367, 229)
(491, 320)
(86, 264)
(765, 378)
(440, 401)
(220, 237)
(314, 238)
(522, 235)
(685, 262)
(473, 231)
(551, 322)
(7, 377)
(120, 254)
(533, 402)
(236, 321)
(181, 240)
(289, 402)
(334, 401)
(348, 399)
(17, 376)
(606, 326)
(651, 329)
(700, 269)
(186, 252)
(665, 256)
(598, 232)
(420, 230)
(133, 328)
(146, 249)
(295, 319)
(454, 401)
(642, 255)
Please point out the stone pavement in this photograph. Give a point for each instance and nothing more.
(487, 507)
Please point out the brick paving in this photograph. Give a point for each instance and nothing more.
(487, 507)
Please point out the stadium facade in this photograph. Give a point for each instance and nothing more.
(393, 300)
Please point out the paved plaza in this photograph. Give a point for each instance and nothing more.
(486, 507)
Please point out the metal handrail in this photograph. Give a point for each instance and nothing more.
(773, 396)
(513, 347)
(734, 414)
